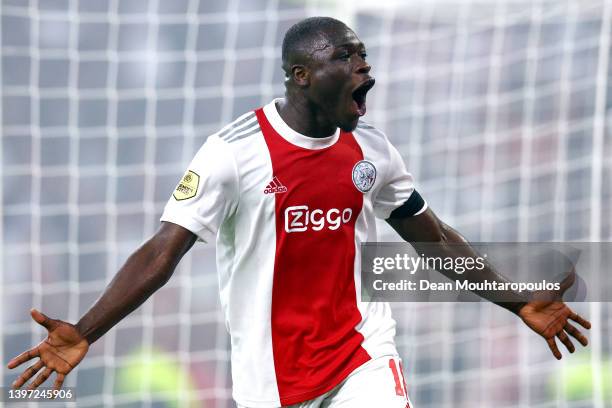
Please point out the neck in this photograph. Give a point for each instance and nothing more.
(302, 117)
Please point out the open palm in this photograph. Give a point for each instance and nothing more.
(61, 351)
(550, 317)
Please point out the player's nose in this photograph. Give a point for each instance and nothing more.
(364, 68)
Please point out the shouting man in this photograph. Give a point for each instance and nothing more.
(289, 192)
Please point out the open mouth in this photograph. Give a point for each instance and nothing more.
(359, 95)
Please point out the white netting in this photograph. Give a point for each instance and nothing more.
(500, 108)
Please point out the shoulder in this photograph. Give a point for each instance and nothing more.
(366, 127)
(371, 139)
(221, 145)
(367, 133)
(362, 124)
(218, 155)
(241, 128)
(229, 147)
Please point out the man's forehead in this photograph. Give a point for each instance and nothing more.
(344, 37)
(337, 39)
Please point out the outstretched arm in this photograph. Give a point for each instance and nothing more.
(547, 318)
(145, 271)
(426, 228)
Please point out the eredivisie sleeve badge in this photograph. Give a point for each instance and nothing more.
(187, 187)
(364, 175)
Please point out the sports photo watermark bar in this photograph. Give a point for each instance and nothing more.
(499, 272)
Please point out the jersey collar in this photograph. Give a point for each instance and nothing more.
(291, 135)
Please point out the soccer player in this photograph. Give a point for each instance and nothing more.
(289, 192)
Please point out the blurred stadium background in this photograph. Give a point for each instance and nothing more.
(502, 110)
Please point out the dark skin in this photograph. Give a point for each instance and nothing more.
(320, 81)
(319, 85)
(550, 318)
(145, 271)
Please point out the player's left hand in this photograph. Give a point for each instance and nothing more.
(551, 318)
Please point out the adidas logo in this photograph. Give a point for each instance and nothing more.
(275, 186)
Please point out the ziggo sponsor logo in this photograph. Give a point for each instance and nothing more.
(300, 218)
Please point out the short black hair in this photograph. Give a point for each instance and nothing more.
(299, 38)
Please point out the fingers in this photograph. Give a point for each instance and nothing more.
(59, 380)
(576, 334)
(23, 357)
(566, 340)
(27, 374)
(553, 347)
(42, 319)
(40, 378)
(580, 320)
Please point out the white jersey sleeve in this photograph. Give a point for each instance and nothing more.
(397, 188)
(208, 191)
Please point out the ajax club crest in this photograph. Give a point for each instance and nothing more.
(364, 175)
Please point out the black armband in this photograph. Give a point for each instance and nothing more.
(413, 205)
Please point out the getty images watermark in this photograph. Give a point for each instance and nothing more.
(453, 272)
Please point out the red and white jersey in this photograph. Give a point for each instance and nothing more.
(289, 213)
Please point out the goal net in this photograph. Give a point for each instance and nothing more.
(500, 108)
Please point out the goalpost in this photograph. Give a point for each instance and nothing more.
(500, 108)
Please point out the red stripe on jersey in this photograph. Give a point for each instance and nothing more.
(314, 304)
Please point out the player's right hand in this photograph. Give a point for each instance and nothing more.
(61, 351)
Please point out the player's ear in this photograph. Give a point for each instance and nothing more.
(300, 75)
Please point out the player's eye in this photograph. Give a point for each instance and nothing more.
(363, 55)
(345, 56)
